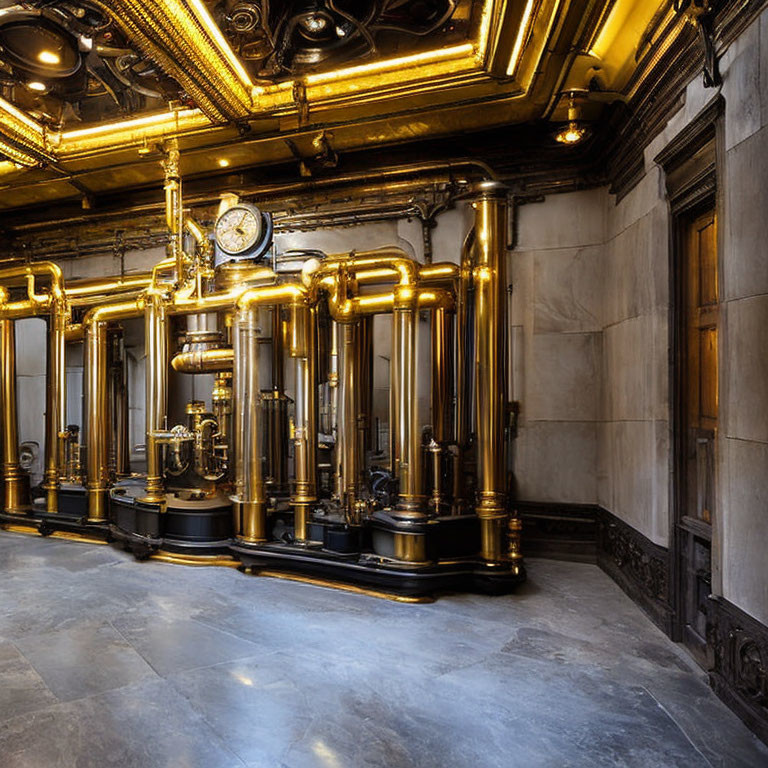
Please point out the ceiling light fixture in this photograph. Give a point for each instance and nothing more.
(575, 131)
(223, 162)
(49, 57)
(36, 85)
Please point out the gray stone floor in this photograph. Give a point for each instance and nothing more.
(108, 662)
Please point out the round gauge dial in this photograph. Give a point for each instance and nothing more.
(239, 229)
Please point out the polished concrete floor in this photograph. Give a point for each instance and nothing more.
(108, 662)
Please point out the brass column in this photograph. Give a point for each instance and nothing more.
(442, 377)
(303, 349)
(407, 462)
(252, 499)
(156, 390)
(348, 412)
(96, 402)
(56, 406)
(490, 318)
(12, 476)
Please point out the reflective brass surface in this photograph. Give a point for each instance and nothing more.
(15, 500)
(490, 328)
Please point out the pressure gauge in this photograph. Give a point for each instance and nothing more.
(239, 230)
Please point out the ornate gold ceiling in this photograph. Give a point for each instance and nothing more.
(236, 99)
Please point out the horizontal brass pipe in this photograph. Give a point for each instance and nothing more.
(204, 361)
(107, 285)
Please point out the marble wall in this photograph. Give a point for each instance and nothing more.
(592, 344)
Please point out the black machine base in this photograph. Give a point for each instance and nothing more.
(183, 526)
(374, 572)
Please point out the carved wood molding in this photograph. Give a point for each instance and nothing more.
(637, 565)
(739, 662)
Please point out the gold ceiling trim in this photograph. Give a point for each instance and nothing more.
(183, 39)
(173, 31)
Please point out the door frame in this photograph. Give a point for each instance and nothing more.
(691, 163)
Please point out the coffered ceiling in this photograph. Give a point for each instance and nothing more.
(89, 88)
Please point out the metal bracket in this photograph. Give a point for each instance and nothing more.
(701, 14)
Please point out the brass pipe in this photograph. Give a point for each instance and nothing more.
(464, 378)
(56, 407)
(489, 281)
(204, 361)
(349, 408)
(304, 351)
(251, 499)
(97, 401)
(174, 214)
(53, 301)
(441, 398)
(156, 390)
(407, 463)
(85, 290)
(13, 479)
(122, 413)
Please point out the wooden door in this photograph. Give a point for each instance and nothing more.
(699, 411)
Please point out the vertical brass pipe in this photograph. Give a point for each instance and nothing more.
(96, 382)
(404, 393)
(349, 409)
(56, 406)
(304, 350)
(490, 316)
(365, 377)
(123, 449)
(12, 477)
(337, 416)
(442, 375)
(156, 390)
(174, 212)
(97, 400)
(463, 410)
(252, 499)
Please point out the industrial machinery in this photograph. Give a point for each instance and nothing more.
(248, 471)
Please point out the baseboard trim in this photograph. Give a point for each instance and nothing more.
(738, 649)
(637, 565)
(559, 531)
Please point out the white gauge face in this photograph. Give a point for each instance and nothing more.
(239, 229)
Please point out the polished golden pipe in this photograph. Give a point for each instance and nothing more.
(490, 285)
(56, 408)
(53, 300)
(349, 408)
(464, 378)
(97, 401)
(251, 499)
(85, 290)
(204, 361)
(13, 479)
(122, 414)
(441, 397)
(156, 390)
(174, 214)
(303, 349)
(405, 425)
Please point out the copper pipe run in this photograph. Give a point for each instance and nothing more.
(97, 401)
(490, 296)
(13, 480)
(304, 351)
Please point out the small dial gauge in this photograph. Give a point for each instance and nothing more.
(239, 229)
